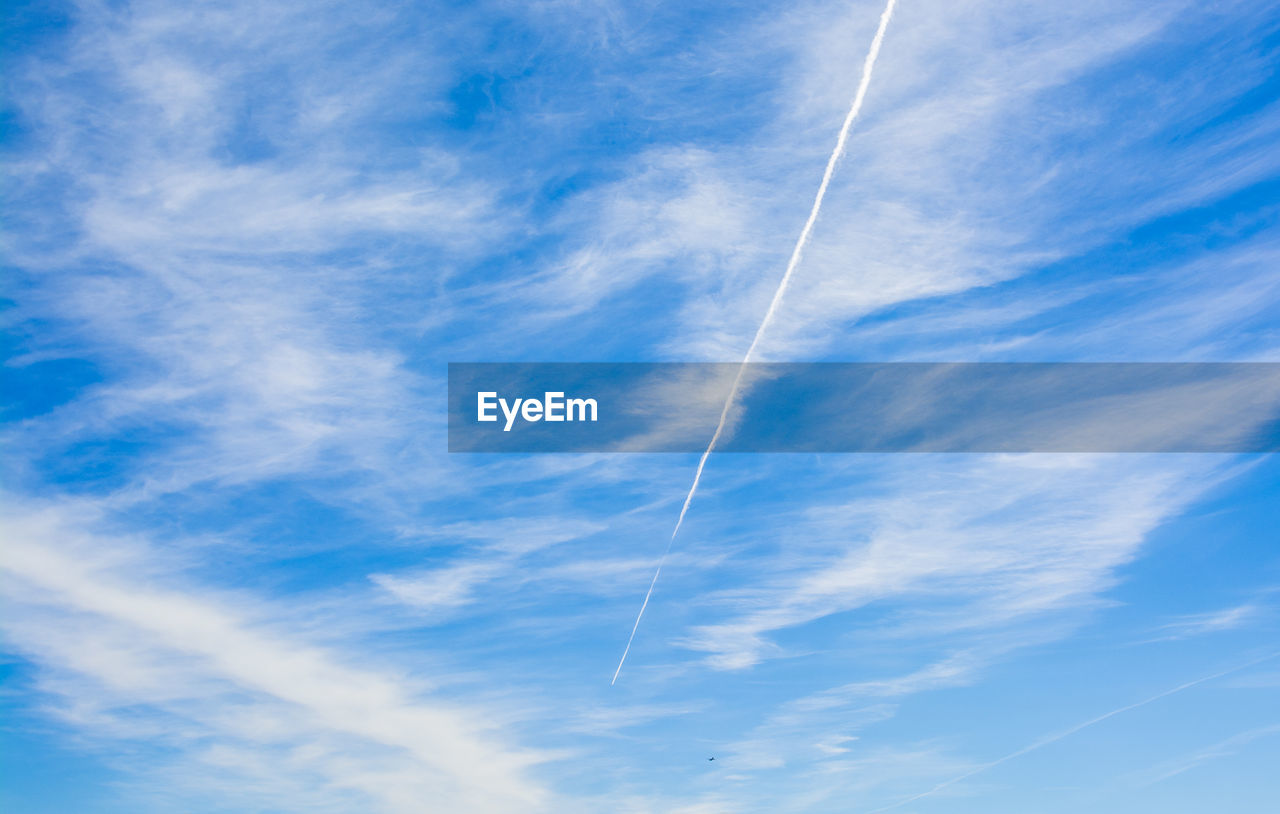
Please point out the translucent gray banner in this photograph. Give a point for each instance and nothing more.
(866, 407)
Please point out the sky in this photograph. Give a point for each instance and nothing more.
(242, 573)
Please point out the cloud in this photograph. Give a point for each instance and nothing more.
(443, 589)
(264, 229)
(978, 543)
(1222, 749)
(1212, 622)
(125, 647)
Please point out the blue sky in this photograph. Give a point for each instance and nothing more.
(242, 573)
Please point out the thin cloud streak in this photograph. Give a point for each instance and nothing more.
(805, 233)
(1045, 741)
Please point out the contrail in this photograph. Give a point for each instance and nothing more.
(867, 66)
(1048, 739)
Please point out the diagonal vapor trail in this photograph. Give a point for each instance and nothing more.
(1057, 736)
(861, 94)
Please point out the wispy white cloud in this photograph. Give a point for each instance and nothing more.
(124, 646)
(950, 538)
(1211, 622)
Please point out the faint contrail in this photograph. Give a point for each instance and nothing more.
(867, 66)
(1048, 739)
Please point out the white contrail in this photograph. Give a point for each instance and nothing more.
(1057, 736)
(867, 66)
